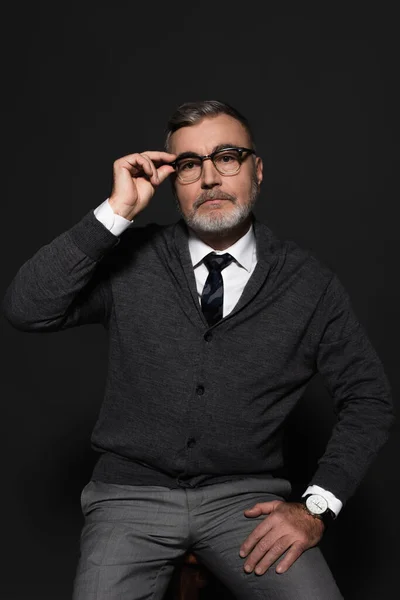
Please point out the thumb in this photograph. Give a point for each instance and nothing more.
(262, 508)
(164, 171)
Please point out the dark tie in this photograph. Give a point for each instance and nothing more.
(213, 292)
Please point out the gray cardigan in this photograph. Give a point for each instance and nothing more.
(185, 404)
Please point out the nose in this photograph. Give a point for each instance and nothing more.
(209, 175)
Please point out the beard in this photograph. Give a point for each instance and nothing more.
(216, 220)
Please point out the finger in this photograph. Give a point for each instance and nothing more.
(254, 511)
(153, 155)
(152, 174)
(135, 163)
(164, 172)
(255, 536)
(295, 551)
(265, 554)
(262, 508)
(160, 157)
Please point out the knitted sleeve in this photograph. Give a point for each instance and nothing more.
(63, 284)
(355, 378)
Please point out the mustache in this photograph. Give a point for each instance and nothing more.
(212, 195)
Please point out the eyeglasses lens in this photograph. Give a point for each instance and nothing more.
(227, 162)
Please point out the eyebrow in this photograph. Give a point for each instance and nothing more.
(215, 149)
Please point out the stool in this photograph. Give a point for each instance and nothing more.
(189, 578)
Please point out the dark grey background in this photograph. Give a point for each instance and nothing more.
(84, 85)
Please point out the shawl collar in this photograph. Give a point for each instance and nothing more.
(269, 249)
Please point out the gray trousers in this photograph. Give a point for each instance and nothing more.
(133, 537)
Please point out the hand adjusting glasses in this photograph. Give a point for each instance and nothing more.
(227, 161)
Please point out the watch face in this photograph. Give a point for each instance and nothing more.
(316, 504)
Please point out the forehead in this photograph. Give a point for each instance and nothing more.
(208, 133)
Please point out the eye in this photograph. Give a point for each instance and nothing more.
(188, 165)
(231, 156)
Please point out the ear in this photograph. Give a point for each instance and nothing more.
(259, 170)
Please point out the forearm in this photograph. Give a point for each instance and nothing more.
(362, 429)
(355, 378)
(42, 294)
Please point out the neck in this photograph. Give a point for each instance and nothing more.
(224, 239)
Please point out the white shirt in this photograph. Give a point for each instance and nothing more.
(235, 276)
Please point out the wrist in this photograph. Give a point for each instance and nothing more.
(122, 210)
(317, 507)
(316, 520)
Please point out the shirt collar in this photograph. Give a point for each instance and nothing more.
(242, 250)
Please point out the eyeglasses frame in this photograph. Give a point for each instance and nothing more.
(240, 149)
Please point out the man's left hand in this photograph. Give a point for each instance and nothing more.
(288, 527)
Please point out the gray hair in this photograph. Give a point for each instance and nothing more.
(190, 113)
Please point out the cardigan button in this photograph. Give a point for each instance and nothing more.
(200, 390)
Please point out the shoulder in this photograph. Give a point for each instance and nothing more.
(137, 244)
(138, 237)
(295, 259)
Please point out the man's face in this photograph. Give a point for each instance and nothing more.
(216, 203)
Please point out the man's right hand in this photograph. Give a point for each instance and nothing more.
(135, 179)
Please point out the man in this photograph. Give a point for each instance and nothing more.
(215, 329)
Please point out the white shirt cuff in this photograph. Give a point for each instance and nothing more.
(113, 222)
(333, 503)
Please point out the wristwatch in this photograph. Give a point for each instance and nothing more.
(317, 506)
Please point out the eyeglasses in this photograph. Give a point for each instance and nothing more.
(227, 162)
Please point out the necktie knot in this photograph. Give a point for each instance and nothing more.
(217, 262)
